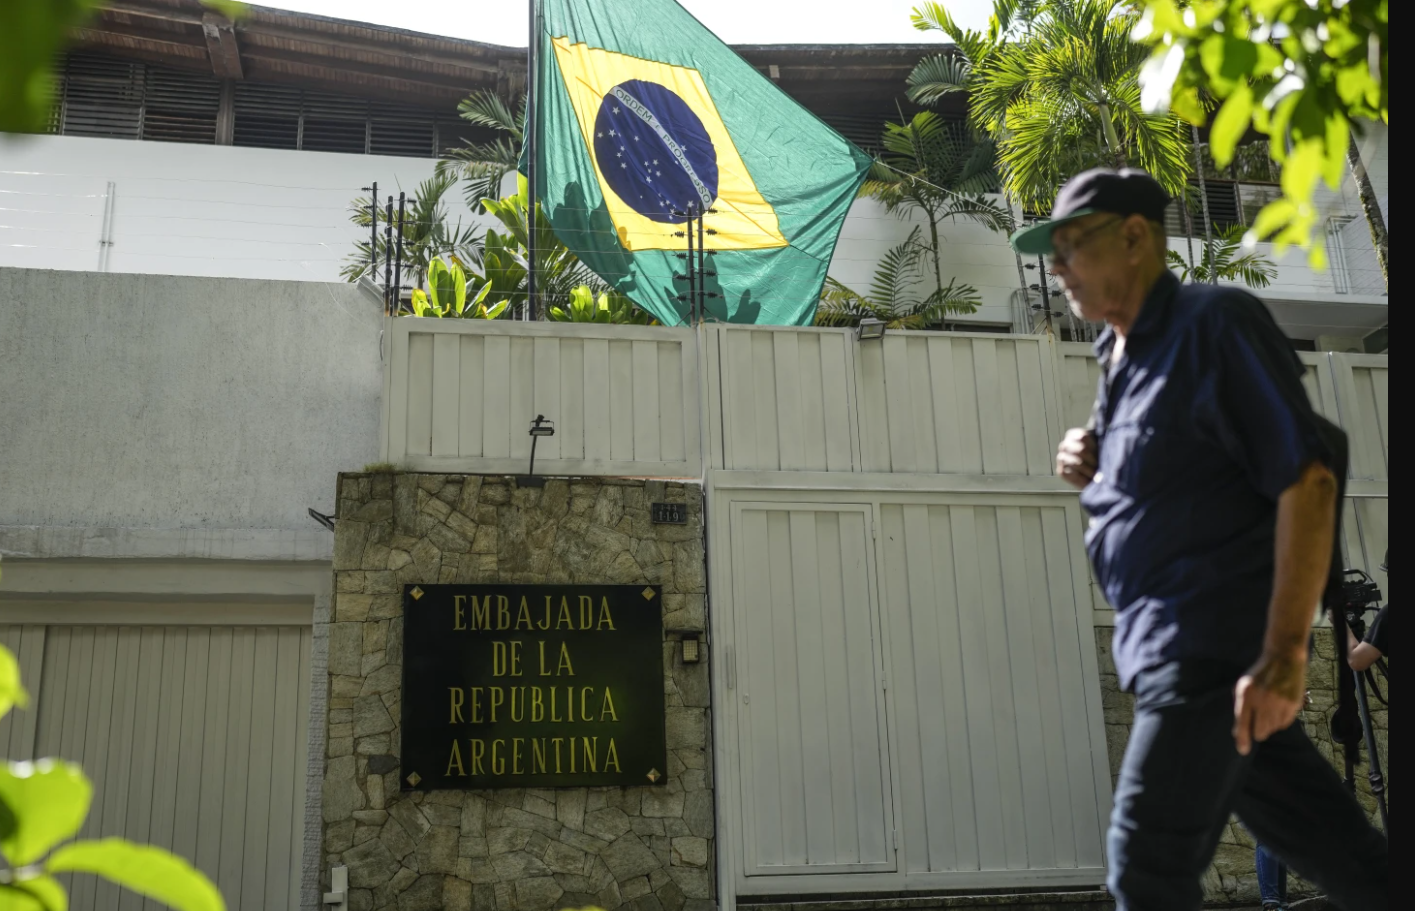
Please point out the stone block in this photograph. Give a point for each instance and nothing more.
(410, 818)
(695, 882)
(476, 870)
(538, 804)
(697, 813)
(456, 894)
(346, 647)
(341, 793)
(400, 843)
(370, 864)
(349, 540)
(587, 843)
(512, 816)
(538, 893)
(608, 824)
(570, 807)
(628, 857)
(562, 858)
(437, 852)
(670, 896)
(517, 866)
(371, 717)
(474, 815)
(686, 728)
(348, 581)
(339, 836)
(690, 851)
(505, 840)
(424, 894)
(641, 825)
(635, 888)
(386, 679)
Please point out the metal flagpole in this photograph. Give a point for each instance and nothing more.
(532, 120)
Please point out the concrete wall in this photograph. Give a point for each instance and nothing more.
(162, 416)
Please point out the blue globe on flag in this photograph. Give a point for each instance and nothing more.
(654, 152)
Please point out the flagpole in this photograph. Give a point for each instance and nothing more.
(532, 121)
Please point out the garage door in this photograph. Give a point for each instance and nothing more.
(194, 738)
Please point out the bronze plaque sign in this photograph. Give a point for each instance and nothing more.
(532, 686)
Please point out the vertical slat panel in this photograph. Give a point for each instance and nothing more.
(672, 411)
(238, 766)
(945, 405)
(965, 384)
(419, 441)
(471, 382)
(1045, 639)
(739, 409)
(260, 744)
(899, 404)
(992, 852)
(840, 688)
(1380, 399)
(621, 400)
(1017, 607)
(215, 752)
(547, 394)
(192, 772)
(873, 409)
(646, 415)
(1014, 450)
(17, 729)
(786, 694)
(832, 378)
(111, 792)
(1039, 443)
(812, 408)
(763, 797)
(786, 381)
(923, 389)
(521, 389)
(1370, 423)
(910, 699)
(951, 649)
(918, 546)
(765, 408)
(496, 397)
(137, 824)
(1063, 560)
(570, 421)
(597, 397)
(167, 753)
(989, 398)
(446, 393)
(804, 619)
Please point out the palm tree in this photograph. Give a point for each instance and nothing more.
(1055, 83)
(938, 169)
(1225, 258)
(483, 166)
(894, 296)
(426, 233)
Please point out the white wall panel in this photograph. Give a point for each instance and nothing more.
(462, 394)
(193, 737)
(815, 793)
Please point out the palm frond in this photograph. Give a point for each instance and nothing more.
(486, 108)
(934, 77)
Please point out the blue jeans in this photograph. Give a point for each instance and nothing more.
(1272, 876)
(1182, 777)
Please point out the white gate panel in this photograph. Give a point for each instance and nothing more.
(997, 717)
(814, 787)
(193, 737)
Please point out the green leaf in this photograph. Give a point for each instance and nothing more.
(1228, 60)
(12, 692)
(49, 800)
(144, 869)
(1337, 138)
(1230, 124)
(1272, 217)
(34, 893)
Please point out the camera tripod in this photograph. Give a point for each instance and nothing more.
(1355, 621)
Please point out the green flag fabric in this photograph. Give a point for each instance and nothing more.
(647, 119)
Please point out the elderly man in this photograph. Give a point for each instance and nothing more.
(1205, 473)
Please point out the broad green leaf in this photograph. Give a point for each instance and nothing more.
(144, 869)
(48, 799)
(1230, 124)
(420, 304)
(1337, 138)
(231, 9)
(1301, 170)
(12, 692)
(1227, 60)
(40, 893)
(1272, 217)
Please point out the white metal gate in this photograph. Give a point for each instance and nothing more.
(193, 737)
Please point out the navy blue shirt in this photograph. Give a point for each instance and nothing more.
(1201, 424)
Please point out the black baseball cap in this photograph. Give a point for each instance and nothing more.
(1125, 192)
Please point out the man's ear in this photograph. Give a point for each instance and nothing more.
(1136, 232)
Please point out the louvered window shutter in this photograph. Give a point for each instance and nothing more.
(180, 107)
(102, 97)
(334, 123)
(266, 116)
(395, 130)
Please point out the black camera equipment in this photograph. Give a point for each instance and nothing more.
(1356, 595)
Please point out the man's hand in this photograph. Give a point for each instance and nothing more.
(1076, 458)
(1268, 697)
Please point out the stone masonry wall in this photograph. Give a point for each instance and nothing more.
(1232, 877)
(646, 848)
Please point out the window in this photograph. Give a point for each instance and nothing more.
(112, 98)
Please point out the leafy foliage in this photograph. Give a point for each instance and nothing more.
(1055, 84)
(1227, 259)
(941, 170)
(44, 803)
(894, 296)
(446, 295)
(483, 167)
(425, 230)
(608, 307)
(1303, 72)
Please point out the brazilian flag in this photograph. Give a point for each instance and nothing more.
(645, 115)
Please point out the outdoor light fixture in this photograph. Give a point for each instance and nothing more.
(870, 329)
(691, 652)
(321, 518)
(540, 427)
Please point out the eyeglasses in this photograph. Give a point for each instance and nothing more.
(1060, 257)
